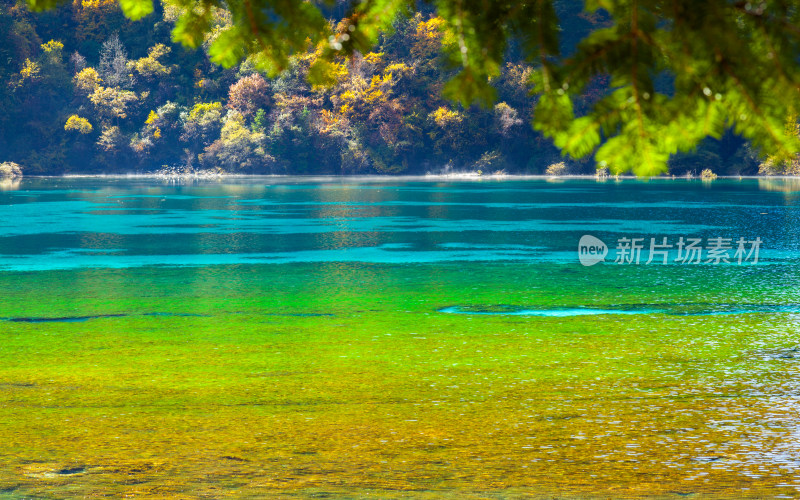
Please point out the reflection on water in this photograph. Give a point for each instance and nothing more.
(673, 309)
(395, 339)
(76, 223)
(9, 184)
(781, 184)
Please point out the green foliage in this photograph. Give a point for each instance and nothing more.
(136, 9)
(718, 81)
(363, 86)
(260, 121)
(467, 87)
(202, 124)
(40, 5)
(238, 149)
(732, 65)
(322, 73)
(271, 29)
(783, 165)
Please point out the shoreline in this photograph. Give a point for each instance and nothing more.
(432, 177)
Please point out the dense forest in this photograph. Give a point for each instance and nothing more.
(85, 90)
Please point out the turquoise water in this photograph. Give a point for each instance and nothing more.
(396, 338)
(75, 223)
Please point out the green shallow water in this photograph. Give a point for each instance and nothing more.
(321, 375)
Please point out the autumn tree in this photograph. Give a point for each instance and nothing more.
(376, 86)
(729, 64)
(112, 103)
(238, 149)
(249, 94)
(149, 67)
(113, 68)
(78, 124)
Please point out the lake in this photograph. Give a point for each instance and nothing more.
(399, 338)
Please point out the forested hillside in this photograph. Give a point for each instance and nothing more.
(86, 90)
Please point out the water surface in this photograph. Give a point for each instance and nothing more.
(397, 338)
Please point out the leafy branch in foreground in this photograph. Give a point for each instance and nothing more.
(677, 71)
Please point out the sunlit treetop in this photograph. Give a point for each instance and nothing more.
(677, 70)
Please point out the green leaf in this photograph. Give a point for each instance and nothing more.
(40, 5)
(468, 88)
(136, 9)
(553, 113)
(581, 138)
(593, 5)
(228, 49)
(624, 154)
(190, 28)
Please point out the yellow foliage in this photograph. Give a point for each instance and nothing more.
(78, 124)
(112, 101)
(362, 95)
(30, 70)
(375, 58)
(444, 117)
(150, 65)
(375, 96)
(157, 133)
(200, 110)
(430, 36)
(340, 71)
(397, 68)
(328, 121)
(53, 46)
(96, 4)
(151, 118)
(375, 92)
(327, 73)
(432, 28)
(87, 80)
(327, 117)
(381, 81)
(518, 74)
